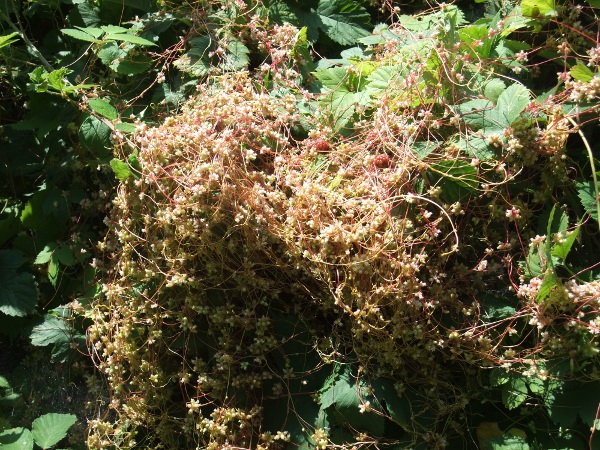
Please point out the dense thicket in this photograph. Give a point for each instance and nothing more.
(281, 224)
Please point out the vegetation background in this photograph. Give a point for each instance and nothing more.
(299, 224)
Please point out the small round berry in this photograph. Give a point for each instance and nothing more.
(382, 161)
(320, 145)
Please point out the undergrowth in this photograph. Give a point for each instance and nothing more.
(357, 255)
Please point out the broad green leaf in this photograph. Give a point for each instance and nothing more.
(497, 306)
(128, 38)
(16, 439)
(587, 196)
(514, 393)
(9, 227)
(477, 146)
(94, 135)
(343, 396)
(4, 384)
(561, 250)
(95, 32)
(383, 78)
(343, 21)
(237, 57)
(457, 179)
(593, 3)
(478, 113)
(113, 29)
(49, 429)
(536, 385)
(398, 407)
(104, 108)
(505, 442)
(537, 8)
(120, 168)
(333, 78)
(51, 331)
(79, 35)
(493, 88)
(511, 103)
(549, 283)
(126, 127)
(56, 78)
(581, 72)
(53, 271)
(8, 39)
(44, 256)
(499, 377)
(18, 290)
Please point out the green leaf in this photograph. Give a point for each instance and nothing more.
(51, 331)
(478, 113)
(562, 249)
(129, 38)
(549, 282)
(44, 256)
(237, 57)
(457, 179)
(95, 135)
(587, 195)
(9, 227)
(8, 39)
(581, 72)
(113, 29)
(343, 396)
(49, 429)
(104, 108)
(512, 102)
(398, 407)
(493, 88)
(514, 392)
(499, 377)
(16, 439)
(477, 146)
(56, 78)
(18, 290)
(121, 169)
(79, 35)
(537, 8)
(343, 21)
(505, 442)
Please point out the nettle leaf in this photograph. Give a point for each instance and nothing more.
(131, 38)
(562, 249)
(79, 35)
(8, 39)
(104, 108)
(493, 88)
(477, 146)
(121, 169)
(512, 102)
(581, 72)
(587, 196)
(49, 429)
(537, 8)
(477, 113)
(59, 333)
(398, 407)
(94, 135)
(16, 439)
(514, 392)
(343, 21)
(56, 78)
(505, 442)
(344, 396)
(18, 290)
(236, 57)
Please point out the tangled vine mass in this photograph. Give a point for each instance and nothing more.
(276, 240)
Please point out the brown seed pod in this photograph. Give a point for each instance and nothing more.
(382, 161)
